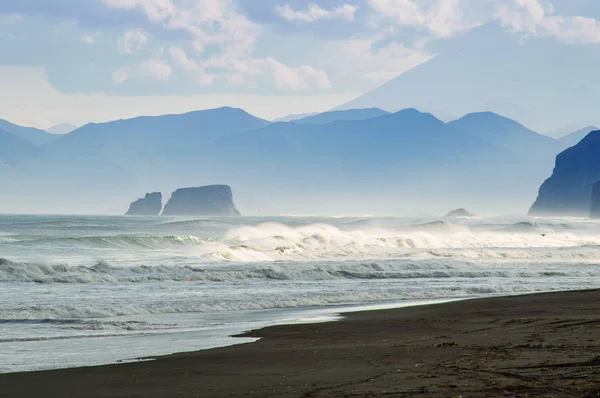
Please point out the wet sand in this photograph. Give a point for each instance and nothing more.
(544, 345)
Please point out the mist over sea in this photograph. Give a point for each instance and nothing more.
(91, 290)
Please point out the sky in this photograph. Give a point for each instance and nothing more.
(75, 61)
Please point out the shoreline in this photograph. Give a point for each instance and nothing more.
(542, 344)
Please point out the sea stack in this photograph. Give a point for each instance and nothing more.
(149, 205)
(567, 192)
(595, 210)
(212, 200)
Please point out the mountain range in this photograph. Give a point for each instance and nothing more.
(30, 134)
(575, 137)
(491, 69)
(356, 161)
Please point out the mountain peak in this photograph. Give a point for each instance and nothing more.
(337, 115)
(490, 68)
(575, 137)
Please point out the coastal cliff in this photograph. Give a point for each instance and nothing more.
(212, 200)
(595, 210)
(568, 191)
(149, 205)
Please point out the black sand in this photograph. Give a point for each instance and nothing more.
(545, 345)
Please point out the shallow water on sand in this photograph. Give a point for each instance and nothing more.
(90, 290)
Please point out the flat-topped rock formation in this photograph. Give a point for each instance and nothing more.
(149, 205)
(568, 191)
(595, 210)
(212, 200)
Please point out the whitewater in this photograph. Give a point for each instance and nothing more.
(80, 291)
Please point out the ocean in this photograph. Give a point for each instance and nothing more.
(78, 290)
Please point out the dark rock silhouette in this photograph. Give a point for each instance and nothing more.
(595, 210)
(150, 205)
(212, 200)
(459, 213)
(568, 191)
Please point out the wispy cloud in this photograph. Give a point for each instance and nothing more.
(231, 38)
(443, 18)
(119, 76)
(314, 13)
(133, 40)
(538, 18)
(155, 10)
(90, 38)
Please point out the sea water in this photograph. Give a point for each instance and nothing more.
(80, 291)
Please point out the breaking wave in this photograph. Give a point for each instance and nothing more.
(443, 267)
(274, 251)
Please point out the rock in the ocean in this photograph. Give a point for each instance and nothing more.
(150, 205)
(212, 200)
(568, 191)
(459, 213)
(595, 210)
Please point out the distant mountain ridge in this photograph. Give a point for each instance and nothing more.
(154, 134)
(14, 149)
(575, 137)
(35, 136)
(405, 162)
(351, 114)
(63, 128)
(294, 116)
(489, 68)
(508, 133)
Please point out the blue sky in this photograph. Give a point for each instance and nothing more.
(77, 61)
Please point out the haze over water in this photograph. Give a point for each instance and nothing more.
(90, 290)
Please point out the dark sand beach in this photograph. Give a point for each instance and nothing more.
(543, 345)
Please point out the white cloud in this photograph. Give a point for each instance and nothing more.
(443, 18)
(231, 37)
(181, 59)
(157, 69)
(296, 78)
(133, 40)
(90, 38)
(9, 19)
(49, 106)
(155, 10)
(363, 59)
(315, 12)
(119, 76)
(534, 17)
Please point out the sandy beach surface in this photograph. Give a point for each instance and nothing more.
(542, 345)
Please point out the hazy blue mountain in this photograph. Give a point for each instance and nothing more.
(490, 69)
(510, 134)
(352, 114)
(568, 192)
(577, 136)
(558, 133)
(149, 135)
(14, 149)
(100, 166)
(33, 135)
(63, 128)
(402, 163)
(398, 163)
(295, 116)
